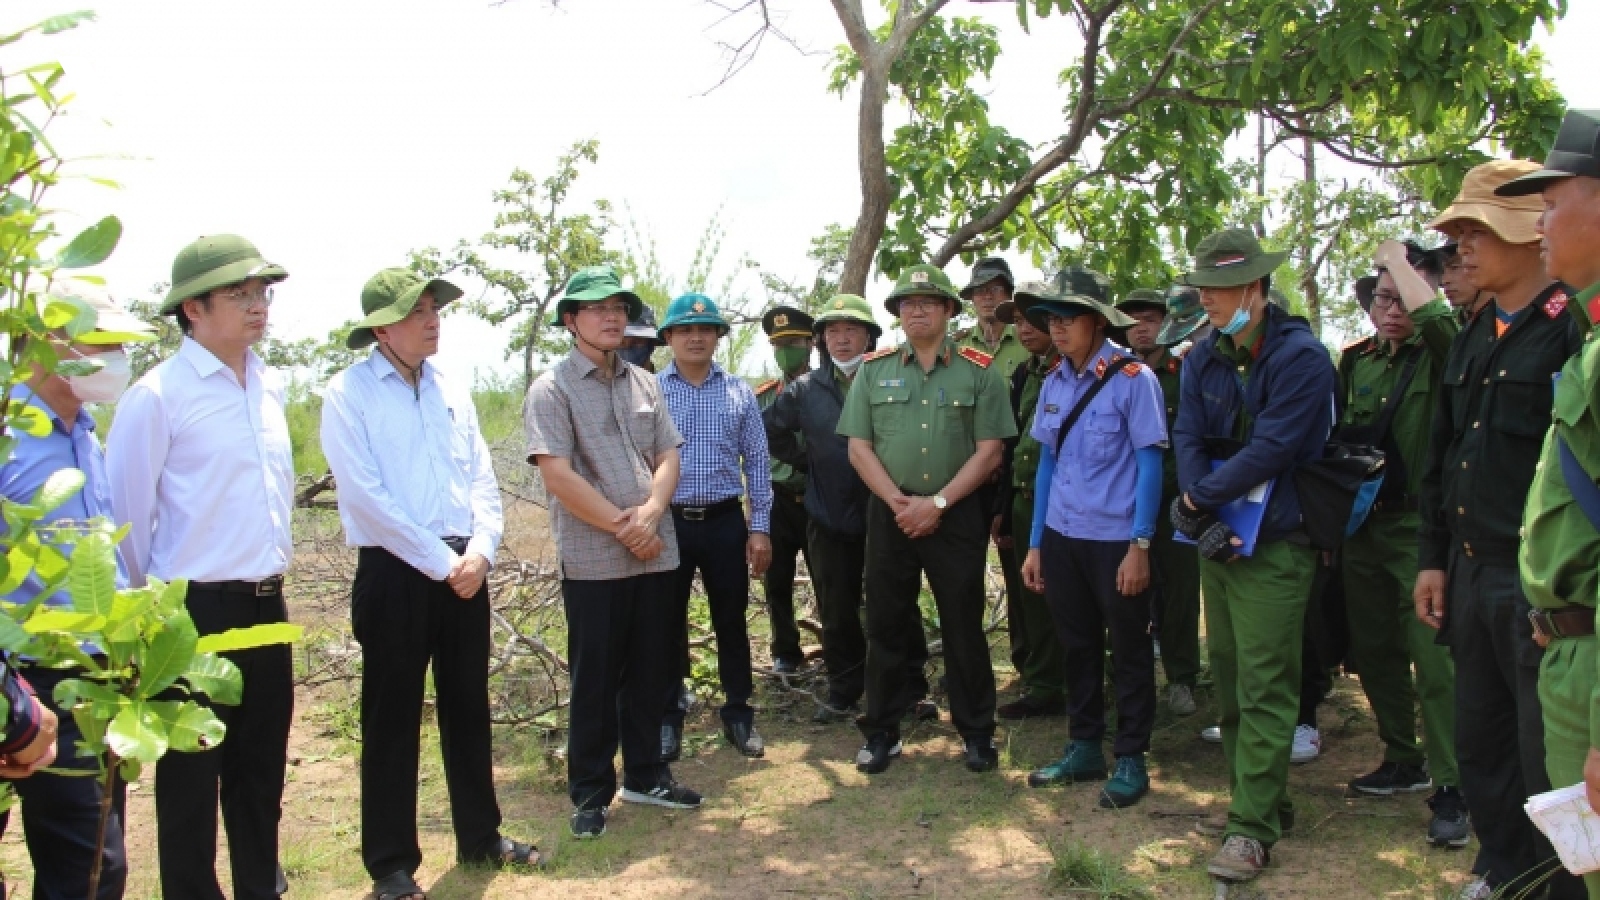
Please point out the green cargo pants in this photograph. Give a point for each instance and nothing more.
(1177, 571)
(1387, 641)
(1567, 693)
(1040, 662)
(1255, 608)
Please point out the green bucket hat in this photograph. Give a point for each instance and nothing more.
(986, 270)
(693, 309)
(1143, 298)
(389, 296)
(923, 280)
(1231, 258)
(848, 308)
(1184, 315)
(215, 261)
(592, 284)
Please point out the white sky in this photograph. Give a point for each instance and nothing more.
(339, 135)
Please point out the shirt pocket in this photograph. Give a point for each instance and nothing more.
(956, 409)
(1103, 436)
(1524, 400)
(1456, 391)
(890, 408)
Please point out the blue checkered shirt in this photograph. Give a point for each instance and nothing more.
(722, 433)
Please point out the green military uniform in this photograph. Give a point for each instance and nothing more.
(1035, 650)
(789, 518)
(1380, 560)
(923, 427)
(1176, 563)
(1007, 354)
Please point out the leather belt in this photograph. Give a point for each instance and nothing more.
(703, 513)
(266, 587)
(1566, 622)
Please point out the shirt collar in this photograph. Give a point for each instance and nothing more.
(1108, 349)
(1589, 305)
(26, 394)
(206, 364)
(671, 371)
(908, 353)
(382, 368)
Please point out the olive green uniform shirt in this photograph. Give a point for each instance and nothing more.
(1007, 356)
(1025, 458)
(1169, 371)
(1241, 351)
(784, 475)
(924, 426)
(1368, 372)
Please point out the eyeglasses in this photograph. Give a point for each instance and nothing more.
(922, 303)
(606, 310)
(1064, 321)
(1384, 300)
(244, 297)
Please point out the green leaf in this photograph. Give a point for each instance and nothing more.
(92, 245)
(12, 635)
(167, 656)
(124, 622)
(190, 726)
(50, 565)
(58, 489)
(92, 575)
(216, 677)
(62, 620)
(30, 420)
(249, 638)
(172, 595)
(66, 21)
(93, 729)
(57, 313)
(137, 733)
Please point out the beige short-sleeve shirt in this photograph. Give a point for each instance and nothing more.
(612, 431)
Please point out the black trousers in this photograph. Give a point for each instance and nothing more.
(715, 548)
(620, 672)
(953, 559)
(789, 521)
(838, 564)
(246, 771)
(61, 813)
(1499, 722)
(1080, 584)
(404, 621)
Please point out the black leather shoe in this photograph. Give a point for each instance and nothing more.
(671, 742)
(981, 754)
(744, 739)
(879, 751)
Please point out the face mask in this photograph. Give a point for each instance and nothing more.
(791, 360)
(107, 384)
(639, 355)
(849, 366)
(1241, 318)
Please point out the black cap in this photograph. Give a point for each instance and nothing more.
(1576, 152)
(986, 270)
(786, 321)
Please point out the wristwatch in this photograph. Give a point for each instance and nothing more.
(939, 502)
(1142, 543)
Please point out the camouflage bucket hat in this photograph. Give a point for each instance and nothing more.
(693, 309)
(1073, 291)
(1231, 258)
(1143, 298)
(1184, 315)
(848, 308)
(922, 280)
(215, 261)
(593, 284)
(389, 296)
(986, 270)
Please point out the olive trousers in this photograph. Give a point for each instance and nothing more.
(1035, 652)
(1176, 567)
(1566, 694)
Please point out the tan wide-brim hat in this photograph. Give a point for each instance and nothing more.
(1511, 218)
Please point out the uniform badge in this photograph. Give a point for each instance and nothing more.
(838, 304)
(698, 307)
(1051, 408)
(975, 356)
(1556, 303)
(780, 320)
(1131, 370)
(892, 382)
(1099, 367)
(919, 277)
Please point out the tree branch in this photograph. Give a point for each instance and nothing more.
(1165, 67)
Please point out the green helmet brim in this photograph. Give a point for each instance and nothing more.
(444, 293)
(233, 273)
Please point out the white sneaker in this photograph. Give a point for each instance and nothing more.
(1307, 744)
(1211, 734)
(1476, 889)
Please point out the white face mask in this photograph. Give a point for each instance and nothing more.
(849, 366)
(107, 384)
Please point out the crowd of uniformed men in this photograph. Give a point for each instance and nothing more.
(1124, 458)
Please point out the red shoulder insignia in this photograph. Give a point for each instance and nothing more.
(1358, 344)
(880, 353)
(1099, 367)
(1132, 369)
(1556, 303)
(976, 357)
(774, 383)
(1053, 366)
(1175, 365)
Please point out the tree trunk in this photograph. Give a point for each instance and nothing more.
(874, 168)
(1308, 240)
(1261, 175)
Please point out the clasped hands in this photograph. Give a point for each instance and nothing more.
(916, 516)
(39, 753)
(1213, 537)
(637, 530)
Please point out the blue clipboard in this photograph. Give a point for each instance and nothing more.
(1243, 515)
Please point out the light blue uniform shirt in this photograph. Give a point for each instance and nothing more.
(1096, 475)
(35, 459)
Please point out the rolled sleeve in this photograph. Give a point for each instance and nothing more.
(855, 420)
(1147, 411)
(547, 421)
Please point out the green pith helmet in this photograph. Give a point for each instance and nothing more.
(215, 261)
(693, 309)
(593, 284)
(1143, 298)
(1230, 258)
(848, 308)
(389, 296)
(922, 280)
(986, 270)
(1184, 315)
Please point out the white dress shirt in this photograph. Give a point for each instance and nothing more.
(202, 472)
(410, 465)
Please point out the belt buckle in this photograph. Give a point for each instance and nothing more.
(694, 513)
(1543, 625)
(267, 587)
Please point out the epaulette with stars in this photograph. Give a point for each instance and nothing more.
(1556, 304)
(1053, 366)
(879, 354)
(1360, 346)
(774, 383)
(975, 356)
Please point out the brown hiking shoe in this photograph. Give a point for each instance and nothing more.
(1218, 824)
(1240, 859)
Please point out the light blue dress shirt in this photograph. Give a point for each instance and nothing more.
(722, 433)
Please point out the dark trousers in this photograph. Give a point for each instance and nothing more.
(61, 813)
(1499, 725)
(620, 671)
(789, 542)
(246, 771)
(838, 564)
(953, 559)
(715, 548)
(1175, 572)
(1080, 584)
(404, 621)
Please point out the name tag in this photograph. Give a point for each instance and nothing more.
(892, 382)
(1051, 408)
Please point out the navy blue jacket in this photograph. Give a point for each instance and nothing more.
(802, 430)
(1289, 398)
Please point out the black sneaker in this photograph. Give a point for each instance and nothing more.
(1450, 826)
(875, 756)
(1392, 778)
(588, 824)
(981, 755)
(668, 793)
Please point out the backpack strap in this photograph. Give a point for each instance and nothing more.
(1083, 403)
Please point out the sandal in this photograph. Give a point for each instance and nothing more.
(398, 886)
